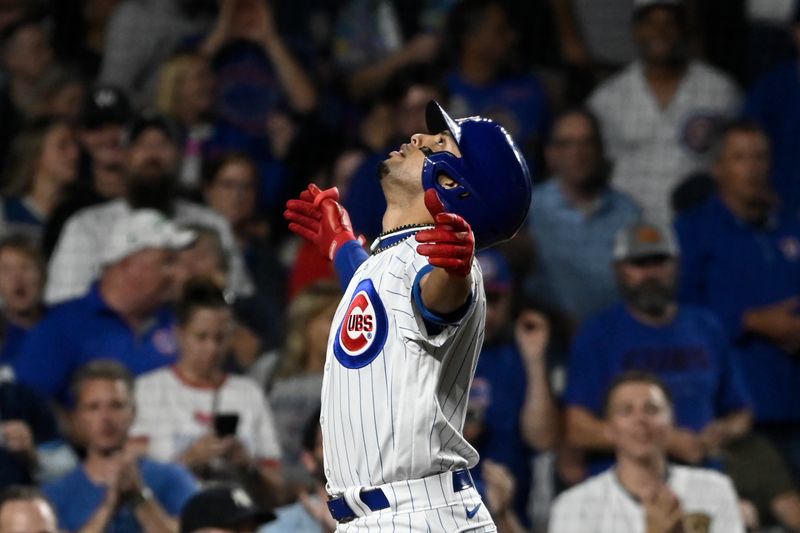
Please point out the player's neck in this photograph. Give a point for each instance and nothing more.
(404, 215)
(639, 476)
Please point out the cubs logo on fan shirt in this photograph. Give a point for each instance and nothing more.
(362, 333)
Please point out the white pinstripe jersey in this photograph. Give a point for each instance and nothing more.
(393, 396)
(601, 505)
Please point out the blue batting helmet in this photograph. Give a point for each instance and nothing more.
(493, 183)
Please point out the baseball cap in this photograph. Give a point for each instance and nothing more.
(105, 104)
(148, 121)
(496, 272)
(221, 506)
(644, 239)
(141, 229)
(640, 7)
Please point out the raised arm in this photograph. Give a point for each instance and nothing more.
(450, 248)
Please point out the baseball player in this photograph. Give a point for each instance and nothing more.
(405, 339)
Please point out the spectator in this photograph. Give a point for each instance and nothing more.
(660, 113)
(186, 91)
(122, 317)
(25, 56)
(515, 415)
(26, 510)
(684, 345)
(132, 62)
(80, 32)
(59, 94)
(30, 448)
(485, 80)
(151, 159)
(774, 101)
(371, 43)
(309, 514)
(293, 376)
(217, 424)
(574, 218)
(644, 492)
(231, 189)
(42, 163)
(222, 509)
(101, 130)
(741, 258)
(21, 286)
(113, 489)
(259, 72)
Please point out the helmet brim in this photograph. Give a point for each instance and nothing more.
(437, 120)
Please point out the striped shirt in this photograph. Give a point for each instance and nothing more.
(394, 395)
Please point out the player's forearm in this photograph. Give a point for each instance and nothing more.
(584, 430)
(444, 293)
(539, 420)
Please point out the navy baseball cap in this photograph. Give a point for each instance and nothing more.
(223, 507)
(105, 104)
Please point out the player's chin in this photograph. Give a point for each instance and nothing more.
(383, 169)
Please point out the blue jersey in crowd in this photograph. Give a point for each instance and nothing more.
(76, 498)
(518, 103)
(730, 266)
(691, 355)
(774, 101)
(85, 329)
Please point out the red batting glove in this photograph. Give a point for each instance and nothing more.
(450, 245)
(319, 217)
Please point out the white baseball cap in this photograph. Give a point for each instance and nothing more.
(643, 239)
(141, 229)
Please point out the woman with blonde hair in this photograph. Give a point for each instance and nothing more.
(42, 163)
(293, 377)
(186, 93)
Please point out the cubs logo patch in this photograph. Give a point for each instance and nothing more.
(362, 333)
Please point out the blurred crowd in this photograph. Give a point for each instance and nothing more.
(164, 335)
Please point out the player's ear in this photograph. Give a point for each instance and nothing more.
(447, 182)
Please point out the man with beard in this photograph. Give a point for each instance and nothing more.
(659, 114)
(113, 489)
(684, 345)
(151, 161)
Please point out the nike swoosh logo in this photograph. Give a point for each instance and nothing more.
(472, 513)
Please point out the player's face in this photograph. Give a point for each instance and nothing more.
(204, 340)
(742, 169)
(27, 516)
(21, 281)
(639, 420)
(104, 414)
(404, 165)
